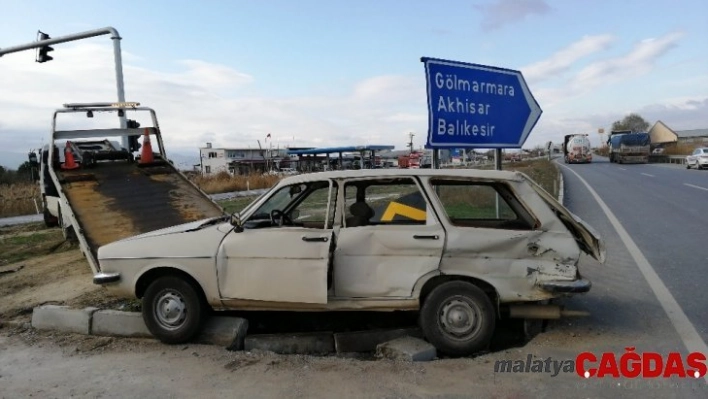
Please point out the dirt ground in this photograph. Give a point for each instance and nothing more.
(49, 364)
(37, 266)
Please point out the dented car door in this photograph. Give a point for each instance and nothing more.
(389, 240)
(286, 256)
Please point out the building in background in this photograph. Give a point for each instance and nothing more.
(663, 136)
(239, 161)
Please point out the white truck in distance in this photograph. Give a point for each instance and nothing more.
(577, 149)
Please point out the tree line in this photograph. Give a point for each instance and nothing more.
(25, 173)
(633, 122)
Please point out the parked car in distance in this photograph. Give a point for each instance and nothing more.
(288, 171)
(464, 247)
(698, 159)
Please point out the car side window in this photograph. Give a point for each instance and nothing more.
(316, 208)
(477, 204)
(304, 205)
(393, 201)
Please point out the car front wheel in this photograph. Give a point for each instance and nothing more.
(172, 310)
(458, 318)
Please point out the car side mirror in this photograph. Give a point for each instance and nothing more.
(236, 222)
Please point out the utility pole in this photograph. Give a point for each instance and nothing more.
(44, 41)
(410, 142)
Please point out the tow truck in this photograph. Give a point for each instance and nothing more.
(99, 192)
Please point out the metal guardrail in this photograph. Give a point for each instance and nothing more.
(675, 159)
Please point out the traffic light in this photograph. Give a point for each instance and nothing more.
(42, 55)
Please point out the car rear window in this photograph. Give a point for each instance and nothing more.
(475, 204)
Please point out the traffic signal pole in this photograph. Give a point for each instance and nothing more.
(85, 35)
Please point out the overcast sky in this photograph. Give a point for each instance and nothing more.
(326, 73)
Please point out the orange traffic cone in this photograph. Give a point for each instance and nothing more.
(146, 153)
(69, 161)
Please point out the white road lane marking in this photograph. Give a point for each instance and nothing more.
(647, 174)
(622, 169)
(698, 187)
(685, 329)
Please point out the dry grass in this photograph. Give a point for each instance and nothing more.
(224, 182)
(680, 149)
(544, 172)
(19, 199)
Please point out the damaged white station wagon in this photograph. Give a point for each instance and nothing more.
(463, 247)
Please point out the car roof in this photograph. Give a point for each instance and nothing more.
(384, 173)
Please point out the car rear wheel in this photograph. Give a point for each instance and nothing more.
(458, 318)
(172, 310)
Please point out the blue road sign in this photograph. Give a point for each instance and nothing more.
(471, 105)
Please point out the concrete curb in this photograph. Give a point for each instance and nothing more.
(231, 333)
(63, 318)
(561, 189)
(320, 343)
(115, 322)
(408, 349)
(228, 332)
(561, 192)
(367, 341)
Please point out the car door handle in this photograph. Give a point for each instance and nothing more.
(419, 237)
(315, 239)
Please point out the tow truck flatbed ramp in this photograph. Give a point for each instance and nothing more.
(120, 199)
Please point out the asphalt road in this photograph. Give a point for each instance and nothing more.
(665, 210)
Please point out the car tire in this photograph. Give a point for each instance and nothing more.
(458, 318)
(173, 310)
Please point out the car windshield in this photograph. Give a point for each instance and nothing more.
(249, 206)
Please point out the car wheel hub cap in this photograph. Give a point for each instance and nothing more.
(458, 317)
(171, 311)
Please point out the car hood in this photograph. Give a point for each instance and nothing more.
(197, 239)
(587, 238)
(180, 228)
